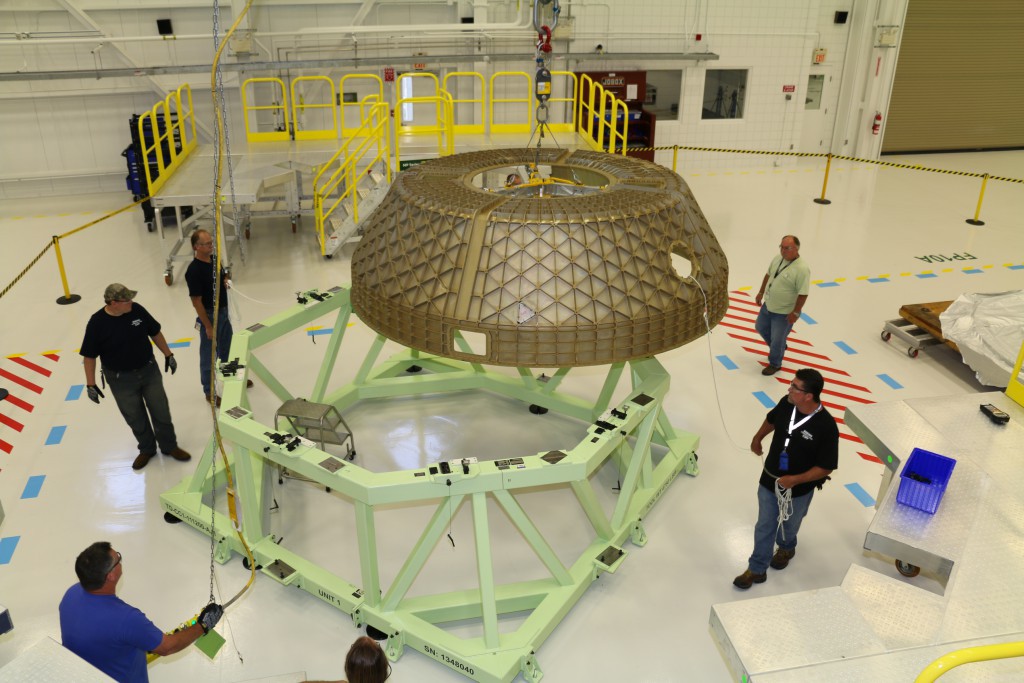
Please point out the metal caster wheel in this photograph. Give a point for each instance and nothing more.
(168, 279)
(912, 353)
(352, 456)
(248, 567)
(413, 368)
(247, 233)
(537, 410)
(907, 569)
(171, 519)
(886, 336)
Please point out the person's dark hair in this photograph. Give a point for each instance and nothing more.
(93, 565)
(813, 382)
(796, 240)
(195, 238)
(366, 662)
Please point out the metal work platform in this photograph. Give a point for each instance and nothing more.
(317, 422)
(875, 627)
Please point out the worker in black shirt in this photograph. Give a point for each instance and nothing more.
(199, 277)
(119, 335)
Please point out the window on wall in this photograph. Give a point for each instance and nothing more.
(662, 96)
(724, 93)
(815, 86)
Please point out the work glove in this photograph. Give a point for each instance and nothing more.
(210, 615)
(94, 393)
(170, 364)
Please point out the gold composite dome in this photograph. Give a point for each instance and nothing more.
(540, 274)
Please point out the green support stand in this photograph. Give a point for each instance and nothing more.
(622, 434)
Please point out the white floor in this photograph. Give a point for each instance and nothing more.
(646, 622)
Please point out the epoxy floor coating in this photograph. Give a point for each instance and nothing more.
(890, 237)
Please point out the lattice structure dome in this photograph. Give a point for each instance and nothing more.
(551, 275)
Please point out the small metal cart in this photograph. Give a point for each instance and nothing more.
(317, 422)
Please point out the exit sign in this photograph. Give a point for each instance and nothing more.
(389, 74)
(789, 88)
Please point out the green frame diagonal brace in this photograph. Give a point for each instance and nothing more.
(637, 422)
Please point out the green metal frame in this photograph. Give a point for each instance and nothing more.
(639, 422)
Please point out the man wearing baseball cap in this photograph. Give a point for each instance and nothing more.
(118, 334)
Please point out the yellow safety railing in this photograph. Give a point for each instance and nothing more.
(1015, 389)
(442, 128)
(568, 126)
(366, 147)
(525, 100)
(477, 110)
(600, 114)
(423, 98)
(279, 106)
(172, 124)
(299, 107)
(982, 653)
(378, 96)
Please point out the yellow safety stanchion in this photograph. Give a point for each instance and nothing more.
(68, 297)
(675, 157)
(977, 212)
(824, 185)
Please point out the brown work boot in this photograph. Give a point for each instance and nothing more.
(770, 369)
(179, 454)
(781, 558)
(141, 460)
(748, 578)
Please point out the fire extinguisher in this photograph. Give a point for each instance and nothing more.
(877, 125)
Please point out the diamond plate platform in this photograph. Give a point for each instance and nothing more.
(877, 628)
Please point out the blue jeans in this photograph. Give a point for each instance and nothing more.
(140, 397)
(224, 333)
(768, 533)
(773, 328)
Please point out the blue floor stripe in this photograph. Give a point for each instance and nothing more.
(860, 494)
(766, 400)
(317, 333)
(828, 284)
(878, 279)
(7, 546)
(974, 271)
(74, 392)
(1019, 266)
(890, 381)
(924, 275)
(33, 486)
(56, 434)
(179, 345)
(808, 319)
(727, 362)
(846, 348)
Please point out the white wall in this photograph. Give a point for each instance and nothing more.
(67, 135)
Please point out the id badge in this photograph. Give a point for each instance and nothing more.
(783, 461)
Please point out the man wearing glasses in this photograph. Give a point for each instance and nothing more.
(109, 633)
(118, 334)
(803, 452)
(783, 292)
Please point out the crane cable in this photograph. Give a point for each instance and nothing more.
(222, 150)
(542, 79)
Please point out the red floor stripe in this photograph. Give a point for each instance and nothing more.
(21, 382)
(746, 320)
(833, 382)
(5, 447)
(31, 366)
(758, 340)
(850, 437)
(52, 356)
(834, 406)
(868, 456)
(804, 363)
(826, 392)
(13, 424)
(24, 405)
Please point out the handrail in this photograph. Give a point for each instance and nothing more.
(523, 127)
(167, 150)
(443, 108)
(967, 655)
(400, 127)
(481, 117)
(299, 106)
(346, 163)
(352, 131)
(278, 106)
(598, 113)
(1015, 389)
(570, 125)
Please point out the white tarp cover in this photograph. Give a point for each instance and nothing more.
(989, 329)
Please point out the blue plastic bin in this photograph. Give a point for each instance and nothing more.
(923, 480)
